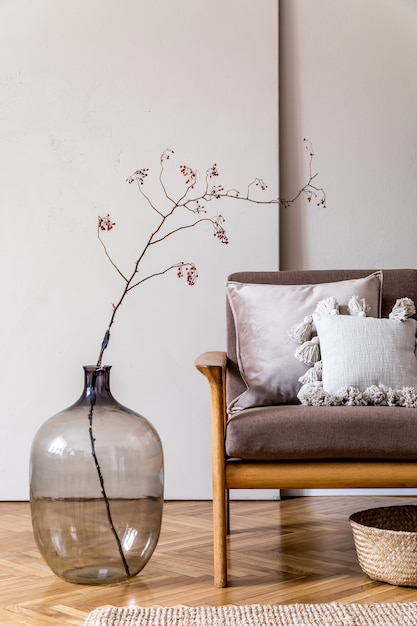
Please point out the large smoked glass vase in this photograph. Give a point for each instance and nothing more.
(96, 487)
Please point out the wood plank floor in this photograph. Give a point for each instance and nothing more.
(297, 550)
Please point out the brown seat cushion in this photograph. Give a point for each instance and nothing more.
(295, 432)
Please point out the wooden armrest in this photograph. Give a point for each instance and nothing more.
(212, 365)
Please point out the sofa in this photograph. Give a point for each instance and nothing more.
(267, 433)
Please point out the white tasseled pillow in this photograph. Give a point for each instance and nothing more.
(360, 352)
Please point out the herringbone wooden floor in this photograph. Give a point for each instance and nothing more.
(297, 550)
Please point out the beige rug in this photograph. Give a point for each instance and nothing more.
(393, 614)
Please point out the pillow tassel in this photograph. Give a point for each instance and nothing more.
(328, 306)
(302, 332)
(375, 394)
(313, 374)
(309, 352)
(350, 396)
(402, 309)
(358, 306)
(313, 394)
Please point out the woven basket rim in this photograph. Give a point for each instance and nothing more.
(384, 530)
(355, 518)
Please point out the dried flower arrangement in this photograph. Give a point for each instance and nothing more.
(194, 200)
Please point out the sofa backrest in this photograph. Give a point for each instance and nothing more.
(397, 283)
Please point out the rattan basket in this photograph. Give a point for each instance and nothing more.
(386, 543)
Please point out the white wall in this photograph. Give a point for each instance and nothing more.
(90, 92)
(348, 82)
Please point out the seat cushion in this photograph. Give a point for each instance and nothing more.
(294, 432)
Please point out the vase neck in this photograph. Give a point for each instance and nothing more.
(99, 378)
(97, 384)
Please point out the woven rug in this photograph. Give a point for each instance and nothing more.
(333, 614)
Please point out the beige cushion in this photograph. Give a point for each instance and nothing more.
(264, 313)
(360, 352)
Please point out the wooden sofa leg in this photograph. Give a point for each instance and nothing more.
(220, 523)
(227, 504)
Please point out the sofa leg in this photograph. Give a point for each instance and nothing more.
(220, 522)
(227, 505)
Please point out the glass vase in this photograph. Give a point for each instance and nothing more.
(96, 487)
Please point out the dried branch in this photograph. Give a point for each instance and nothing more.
(309, 190)
(196, 206)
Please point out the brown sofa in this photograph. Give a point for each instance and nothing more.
(292, 446)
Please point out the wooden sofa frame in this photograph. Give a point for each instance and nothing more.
(239, 474)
